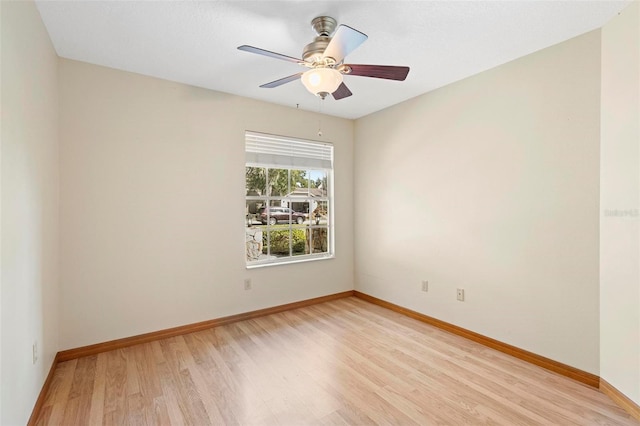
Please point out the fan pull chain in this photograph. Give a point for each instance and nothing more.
(320, 100)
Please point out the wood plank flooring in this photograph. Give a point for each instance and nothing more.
(345, 362)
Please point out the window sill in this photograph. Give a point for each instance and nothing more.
(289, 261)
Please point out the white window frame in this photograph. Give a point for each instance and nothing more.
(280, 152)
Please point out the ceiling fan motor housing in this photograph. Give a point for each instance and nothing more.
(324, 26)
(313, 51)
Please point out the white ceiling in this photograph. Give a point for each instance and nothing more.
(194, 42)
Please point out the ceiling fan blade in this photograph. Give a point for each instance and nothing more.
(282, 81)
(344, 41)
(341, 92)
(259, 51)
(378, 71)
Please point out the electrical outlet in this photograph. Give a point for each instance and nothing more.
(460, 295)
(425, 285)
(34, 352)
(247, 284)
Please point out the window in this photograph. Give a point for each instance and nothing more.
(289, 199)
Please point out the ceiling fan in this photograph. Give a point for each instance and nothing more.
(324, 57)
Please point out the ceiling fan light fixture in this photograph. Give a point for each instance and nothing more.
(322, 81)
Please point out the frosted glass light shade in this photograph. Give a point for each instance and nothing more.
(321, 80)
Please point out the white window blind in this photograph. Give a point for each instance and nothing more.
(287, 153)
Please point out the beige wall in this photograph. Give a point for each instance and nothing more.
(29, 199)
(152, 205)
(620, 194)
(491, 185)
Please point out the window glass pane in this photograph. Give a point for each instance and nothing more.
(277, 182)
(299, 240)
(253, 209)
(269, 214)
(300, 207)
(319, 240)
(279, 241)
(255, 249)
(298, 197)
(254, 231)
(255, 180)
(320, 213)
(275, 214)
(318, 183)
(298, 182)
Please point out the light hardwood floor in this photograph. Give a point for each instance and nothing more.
(335, 363)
